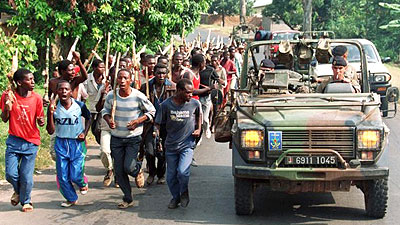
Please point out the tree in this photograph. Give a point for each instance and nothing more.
(347, 18)
(307, 9)
(224, 8)
(26, 54)
(149, 22)
(243, 11)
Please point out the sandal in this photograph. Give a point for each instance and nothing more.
(14, 199)
(139, 180)
(27, 207)
(124, 205)
(84, 190)
(68, 204)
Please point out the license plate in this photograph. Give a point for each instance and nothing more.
(310, 160)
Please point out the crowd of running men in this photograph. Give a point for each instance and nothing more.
(159, 114)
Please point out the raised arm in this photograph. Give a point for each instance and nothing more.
(79, 79)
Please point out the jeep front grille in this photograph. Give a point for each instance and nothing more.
(343, 141)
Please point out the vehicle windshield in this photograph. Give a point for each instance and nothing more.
(283, 36)
(293, 71)
(354, 54)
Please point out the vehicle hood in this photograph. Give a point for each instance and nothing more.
(311, 117)
(302, 115)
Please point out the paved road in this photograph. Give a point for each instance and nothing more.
(212, 202)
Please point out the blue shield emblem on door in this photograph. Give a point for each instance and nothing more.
(275, 140)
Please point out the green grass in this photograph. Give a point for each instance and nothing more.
(43, 159)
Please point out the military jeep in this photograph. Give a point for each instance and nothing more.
(286, 137)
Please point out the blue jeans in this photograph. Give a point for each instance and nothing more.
(125, 152)
(178, 170)
(20, 164)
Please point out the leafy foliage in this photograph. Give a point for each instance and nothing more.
(26, 54)
(149, 22)
(347, 18)
(229, 7)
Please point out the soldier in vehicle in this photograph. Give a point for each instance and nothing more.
(339, 67)
(351, 72)
(267, 65)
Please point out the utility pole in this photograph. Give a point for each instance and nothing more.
(243, 5)
(307, 8)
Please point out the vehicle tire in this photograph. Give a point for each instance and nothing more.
(244, 191)
(376, 197)
(385, 107)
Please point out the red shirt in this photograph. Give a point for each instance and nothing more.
(196, 85)
(229, 67)
(77, 70)
(23, 115)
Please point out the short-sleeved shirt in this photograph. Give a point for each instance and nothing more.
(128, 108)
(68, 122)
(92, 89)
(180, 121)
(206, 77)
(103, 124)
(23, 115)
(229, 66)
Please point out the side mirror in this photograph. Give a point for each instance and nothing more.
(386, 60)
(392, 94)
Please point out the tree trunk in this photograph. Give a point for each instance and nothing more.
(223, 19)
(307, 8)
(242, 11)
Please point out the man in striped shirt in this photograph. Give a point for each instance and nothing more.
(132, 109)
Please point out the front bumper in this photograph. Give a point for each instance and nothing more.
(310, 174)
(344, 172)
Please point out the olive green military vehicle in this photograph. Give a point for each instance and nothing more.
(288, 138)
(243, 33)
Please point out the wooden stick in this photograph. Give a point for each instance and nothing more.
(92, 54)
(208, 39)
(159, 49)
(108, 53)
(11, 85)
(141, 51)
(137, 84)
(147, 82)
(96, 55)
(114, 105)
(136, 66)
(183, 35)
(126, 52)
(171, 53)
(46, 72)
(72, 49)
(113, 63)
(166, 49)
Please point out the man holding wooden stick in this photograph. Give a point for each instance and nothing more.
(132, 109)
(160, 88)
(23, 111)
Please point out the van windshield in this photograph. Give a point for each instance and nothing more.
(283, 36)
(354, 54)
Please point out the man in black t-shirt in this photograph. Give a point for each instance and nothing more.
(182, 116)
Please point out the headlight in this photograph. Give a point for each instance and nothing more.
(369, 139)
(380, 78)
(383, 77)
(252, 138)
